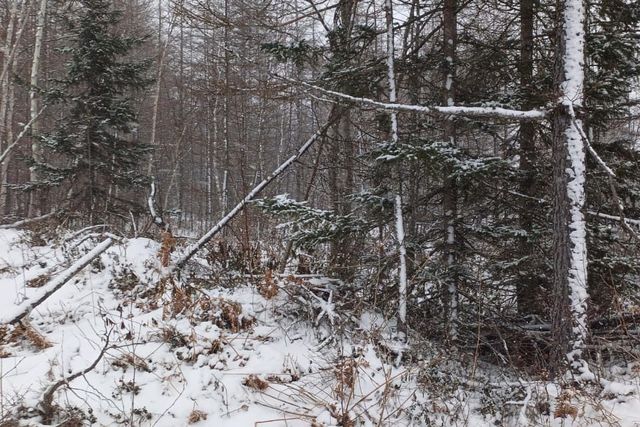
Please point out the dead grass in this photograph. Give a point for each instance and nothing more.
(168, 245)
(564, 407)
(25, 331)
(38, 282)
(267, 287)
(128, 360)
(345, 372)
(221, 312)
(255, 382)
(196, 416)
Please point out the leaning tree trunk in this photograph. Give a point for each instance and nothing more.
(570, 327)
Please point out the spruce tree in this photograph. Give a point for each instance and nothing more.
(96, 155)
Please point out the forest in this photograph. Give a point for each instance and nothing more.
(319, 212)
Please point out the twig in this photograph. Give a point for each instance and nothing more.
(46, 404)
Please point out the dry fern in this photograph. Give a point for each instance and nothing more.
(38, 282)
(564, 407)
(197, 416)
(267, 287)
(26, 331)
(255, 382)
(168, 245)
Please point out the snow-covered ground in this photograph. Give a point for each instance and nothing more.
(171, 353)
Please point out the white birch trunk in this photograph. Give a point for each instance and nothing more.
(35, 202)
(393, 97)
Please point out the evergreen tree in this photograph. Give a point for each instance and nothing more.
(95, 140)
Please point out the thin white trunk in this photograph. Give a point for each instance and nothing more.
(156, 95)
(22, 133)
(35, 207)
(393, 97)
(402, 291)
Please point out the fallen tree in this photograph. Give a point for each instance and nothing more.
(194, 248)
(20, 311)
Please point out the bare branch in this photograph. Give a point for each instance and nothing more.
(22, 133)
(486, 112)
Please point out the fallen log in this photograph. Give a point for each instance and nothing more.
(28, 221)
(18, 312)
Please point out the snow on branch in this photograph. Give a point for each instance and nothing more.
(486, 112)
(611, 176)
(18, 312)
(194, 248)
(22, 133)
(634, 222)
(151, 203)
(28, 221)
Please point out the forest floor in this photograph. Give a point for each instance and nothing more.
(124, 343)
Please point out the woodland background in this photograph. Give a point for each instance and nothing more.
(202, 100)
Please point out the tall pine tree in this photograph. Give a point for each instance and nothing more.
(95, 150)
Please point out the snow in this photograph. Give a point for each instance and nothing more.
(571, 97)
(167, 384)
(10, 313)
(488, 111)
(157, 378)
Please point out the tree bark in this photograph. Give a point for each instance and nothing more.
(399, 220)
(569, 318)
(37, 202)
(529, 288)
(450, 190)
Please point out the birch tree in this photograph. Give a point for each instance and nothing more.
(399, 220)
(450, 190)
(36, 204)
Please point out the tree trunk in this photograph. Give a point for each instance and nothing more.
(450, 191)
(4, 103)
(37, 202)
(400, 235)
(528, 289)
(569, 320)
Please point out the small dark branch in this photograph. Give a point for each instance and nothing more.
(46, 404)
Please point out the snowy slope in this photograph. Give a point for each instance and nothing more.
(180, 355)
